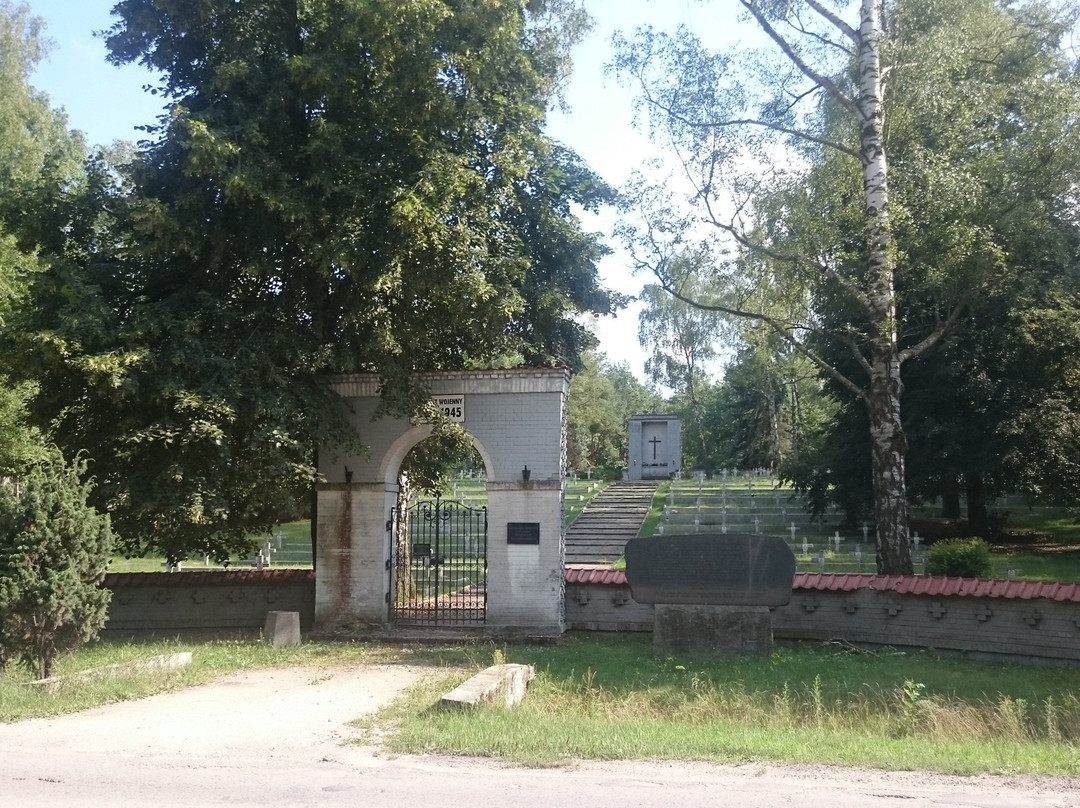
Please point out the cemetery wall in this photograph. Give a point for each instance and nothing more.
(204, 603)
(995, 619)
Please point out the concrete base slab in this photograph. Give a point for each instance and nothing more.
(499, 683)
(713, 631)
(282, 628)
(160, 662)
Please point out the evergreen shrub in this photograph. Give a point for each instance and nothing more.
(959, 558)
(54, 550)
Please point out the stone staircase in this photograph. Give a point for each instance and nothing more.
(612, 517)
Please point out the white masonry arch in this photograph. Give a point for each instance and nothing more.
(516, 419)
(407, 441)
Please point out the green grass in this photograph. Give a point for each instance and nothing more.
(608, 698)
(1063, 567)
(1044, 523)
(656, 511)
(1043, 543)
(296, 536)
(578, 494)
(295, 552)
(1040, 543)
(18, 700)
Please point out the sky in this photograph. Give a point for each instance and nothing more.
(107, 103)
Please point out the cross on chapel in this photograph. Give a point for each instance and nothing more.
(662, 433)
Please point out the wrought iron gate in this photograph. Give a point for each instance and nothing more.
(438, 565)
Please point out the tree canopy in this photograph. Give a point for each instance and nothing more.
(870, 178)
(337, 186)
(39, 161)
(601, 401)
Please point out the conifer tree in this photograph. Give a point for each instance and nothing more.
(54, 550)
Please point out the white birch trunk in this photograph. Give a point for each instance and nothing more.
(888, 446)
(405, 586)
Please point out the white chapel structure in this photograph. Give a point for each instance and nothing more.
(655, 450)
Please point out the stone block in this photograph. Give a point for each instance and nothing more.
(282, 628)
(734, 569)
(159, 662)
(711, 631)
(500, 683)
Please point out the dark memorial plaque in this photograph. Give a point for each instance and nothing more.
(522, 532)
(731, 569)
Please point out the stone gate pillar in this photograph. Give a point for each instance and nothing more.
(517, 422)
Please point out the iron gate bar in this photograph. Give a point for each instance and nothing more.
(442, 580)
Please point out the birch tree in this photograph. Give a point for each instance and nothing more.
(681, 339)
(787, 160)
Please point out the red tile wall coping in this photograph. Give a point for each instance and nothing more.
(593, 575)
(927, 585)
(116, 580)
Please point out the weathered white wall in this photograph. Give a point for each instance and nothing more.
(352, 546)
(517, 419)
(525, 581)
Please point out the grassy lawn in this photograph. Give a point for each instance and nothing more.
(578, 494)
(294, 551)
(1034, 565)
(607, 697)
(295, 548)
(656, 511)
(1043, 524)
(1042, 543)
(209, 659)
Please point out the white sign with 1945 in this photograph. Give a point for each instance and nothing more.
(453, 407)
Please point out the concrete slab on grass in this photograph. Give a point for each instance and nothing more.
(499, 683)
(160, 662)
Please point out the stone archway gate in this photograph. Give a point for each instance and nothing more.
(516, 419)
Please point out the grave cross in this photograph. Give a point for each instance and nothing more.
(655, 440)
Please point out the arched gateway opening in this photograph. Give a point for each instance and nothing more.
(438, 541)
(505, 580)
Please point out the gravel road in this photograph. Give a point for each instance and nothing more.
(279, 738)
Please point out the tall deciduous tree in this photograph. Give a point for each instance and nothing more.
(601, 401)
(987, 191)
(682, 340)
(819, 207)
(338, 185)
(39, 160)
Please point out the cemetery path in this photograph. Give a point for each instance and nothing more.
(609, 520)
(277, 737)
(264, 714)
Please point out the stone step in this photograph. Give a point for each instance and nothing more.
(596, 552)
(500, 684)
(608, 521)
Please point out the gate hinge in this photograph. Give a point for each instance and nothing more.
(386, 597)
(388, 565)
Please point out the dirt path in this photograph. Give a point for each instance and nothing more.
(260, 714)
(275, 737)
